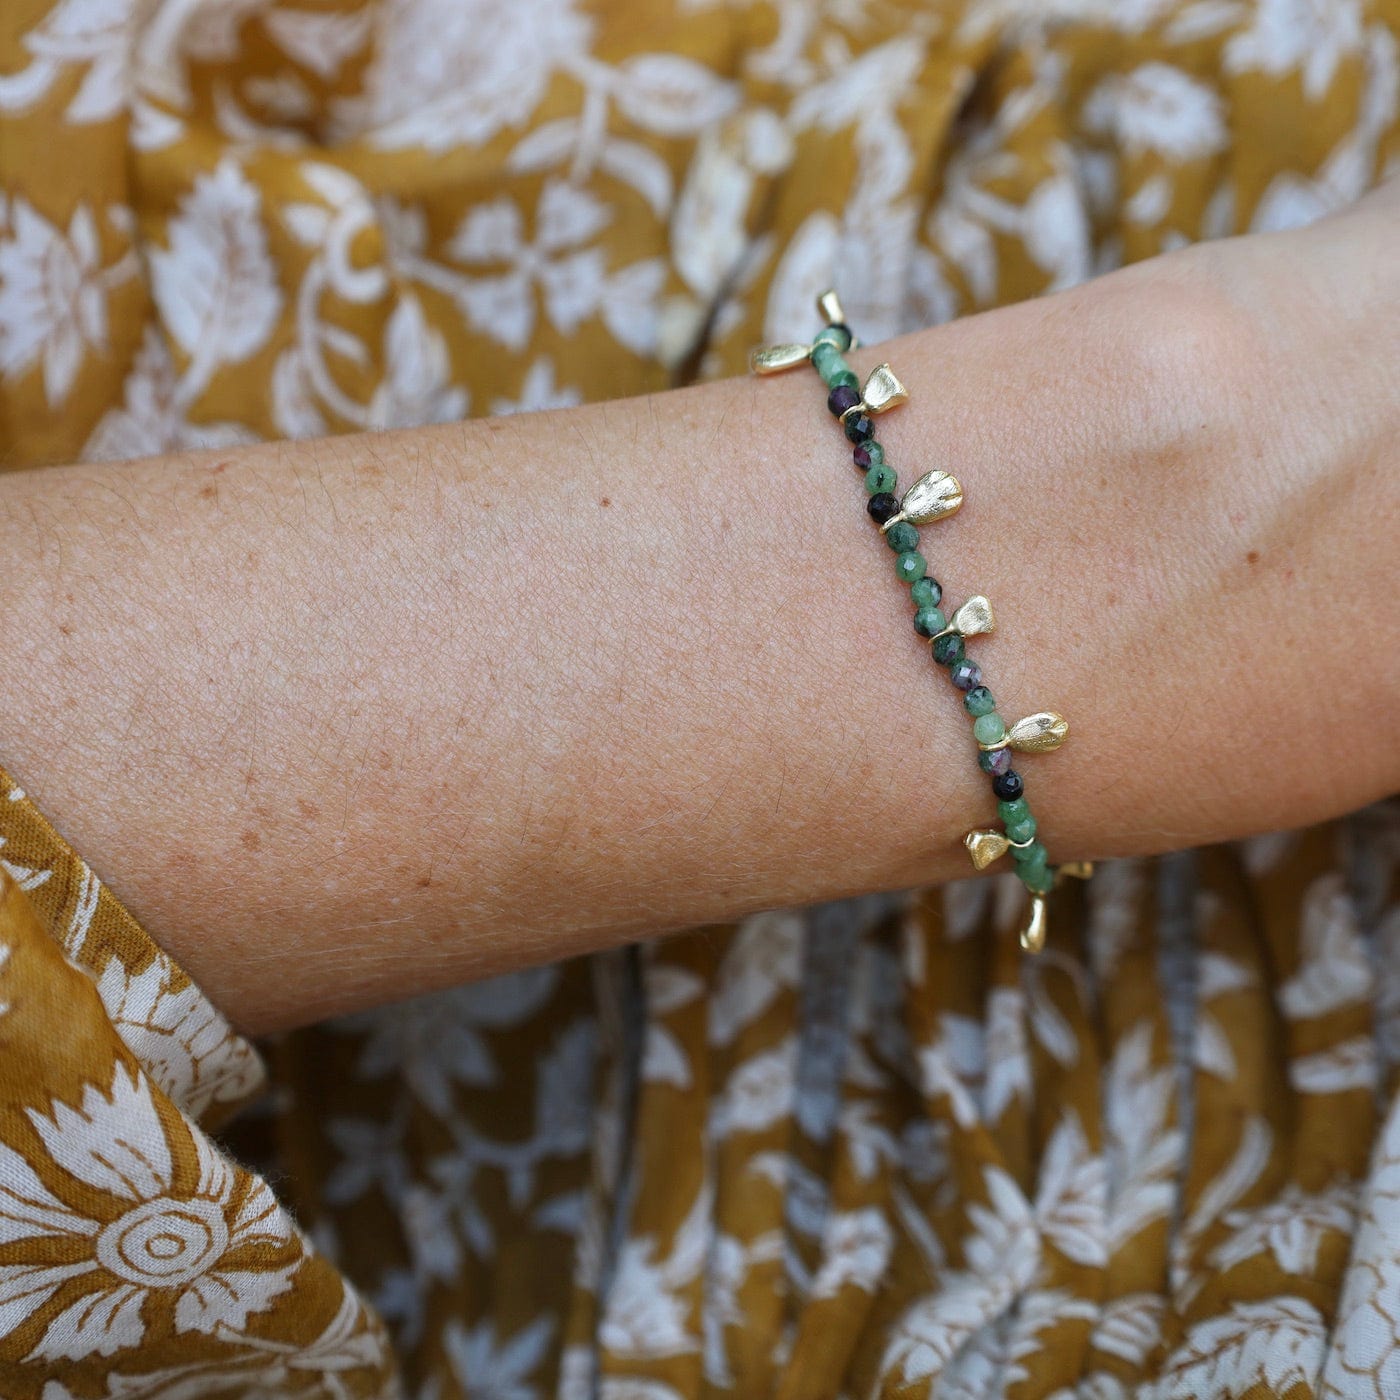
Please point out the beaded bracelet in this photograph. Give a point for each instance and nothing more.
(935, 496)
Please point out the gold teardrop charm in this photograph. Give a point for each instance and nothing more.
(829, 308)
(974, 618)
(985, 846)
(1039, 733)
(1033, 934)
(934, 496)
(882, 391)
(773, 359)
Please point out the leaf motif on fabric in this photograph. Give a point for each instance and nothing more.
(214, 282)
(1071, 1194)
(670, 94)
(1289, 1228)
(320, 42)
(763, 962)
(1335, 968)
(1269, 1346)
(1349, 1064)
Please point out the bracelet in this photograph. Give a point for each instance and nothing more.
(935, 496)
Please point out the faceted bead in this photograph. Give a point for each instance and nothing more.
(1030, 859)
(1023, 828)
(994, 761)
(979, 701)
(1008, 786)
(929, 622)
(989, 728)
(966, 674)
(881, 478)
(948, 649)
(859, 426)
(836, 334)
(927, 593)
(1037, 879)
(841, 398)
(910, 565)
(826, 360)
(868, 454)
(901, 537)
(1014, 811)
(880, 507)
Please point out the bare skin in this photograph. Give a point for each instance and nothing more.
(342, 721)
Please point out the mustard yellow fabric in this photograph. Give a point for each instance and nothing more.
(865, 1150)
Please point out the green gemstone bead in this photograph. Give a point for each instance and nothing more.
(880, 478)
(1021, 828)
(827, 360)
(843, 379)
(1013, 812)
(1040, 880)
(948, 650)
(838, 336)
(929, 622)
(980, 701)
(989, 728)
(902, 537)
(910, 565)
(875, 452)
(928, 593)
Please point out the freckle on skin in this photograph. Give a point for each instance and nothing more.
(605, 501)
(1252, 557)
(425, 882)
(251, 840)
(309, 810)
(208, 490)
(66, 628)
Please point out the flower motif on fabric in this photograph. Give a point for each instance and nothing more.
(137, 1234)
(53, 293)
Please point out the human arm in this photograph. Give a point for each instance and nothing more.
(347, 719)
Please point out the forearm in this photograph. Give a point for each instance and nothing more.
(347, 719)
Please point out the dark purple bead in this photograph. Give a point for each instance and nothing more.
(881, 506)
(842, 398)
(966, 674)
(1008, 786)
(994, 761)
(860, 427)
(862, 457)
(948, 649)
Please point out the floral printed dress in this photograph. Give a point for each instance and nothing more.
(865, 1150)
